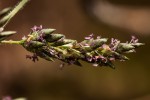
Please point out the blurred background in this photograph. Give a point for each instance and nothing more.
(43, 80)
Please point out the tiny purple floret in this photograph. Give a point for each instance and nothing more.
(36, 28)
(89, 37)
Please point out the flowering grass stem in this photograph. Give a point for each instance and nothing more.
(49, 46)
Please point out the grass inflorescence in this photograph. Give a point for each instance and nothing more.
(50, 46)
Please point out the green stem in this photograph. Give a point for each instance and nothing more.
(12, 42)
(12, 13)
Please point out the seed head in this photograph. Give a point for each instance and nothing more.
(43, 43)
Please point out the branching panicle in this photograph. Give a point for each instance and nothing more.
(45, 44)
